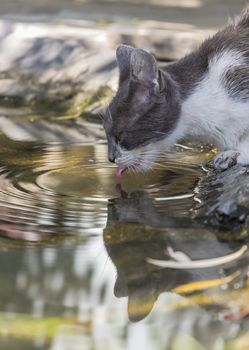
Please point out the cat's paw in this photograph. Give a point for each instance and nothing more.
(225, 160)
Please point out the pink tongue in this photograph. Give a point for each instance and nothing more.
(120, 171)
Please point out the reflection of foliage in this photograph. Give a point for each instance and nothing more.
(23, 326)
(242, 343)
(229, 300)
(26, 327)
(186, 342)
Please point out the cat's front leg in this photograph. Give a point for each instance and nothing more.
(225, 160)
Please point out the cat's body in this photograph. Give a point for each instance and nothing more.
(215, 105)
(205, 96)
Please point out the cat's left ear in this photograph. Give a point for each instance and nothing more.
(144, 68)
(123, 55)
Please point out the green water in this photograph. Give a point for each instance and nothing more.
(74, 246)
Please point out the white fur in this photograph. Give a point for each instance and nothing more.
(144, 156)
(211, 115)
(208, 114)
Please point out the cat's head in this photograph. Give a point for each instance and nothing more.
(141, 119)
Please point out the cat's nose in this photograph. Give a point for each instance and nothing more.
(111, 158)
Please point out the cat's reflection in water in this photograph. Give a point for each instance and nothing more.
(136, 230)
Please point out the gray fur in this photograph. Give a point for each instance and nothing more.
(143, 99)
(191, 69)
(123, 55)
(147, 105)
(144, 67)
(236, 81)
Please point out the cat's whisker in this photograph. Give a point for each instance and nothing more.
(109, 113)
(125, 159)
(133, 170)
(170, 165)
(160, 133)
(100, 115)
(145, 164)
(155, 165)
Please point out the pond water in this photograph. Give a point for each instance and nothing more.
(75, 244)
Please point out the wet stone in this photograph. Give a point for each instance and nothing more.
(224, 198)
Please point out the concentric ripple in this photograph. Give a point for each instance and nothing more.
(65, 190)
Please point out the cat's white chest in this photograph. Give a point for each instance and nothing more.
(210, 114)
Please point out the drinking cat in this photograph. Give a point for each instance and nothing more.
(203, 96)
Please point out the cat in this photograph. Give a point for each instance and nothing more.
(204, 96)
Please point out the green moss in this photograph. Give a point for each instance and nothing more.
(69, 104)
(82, 106)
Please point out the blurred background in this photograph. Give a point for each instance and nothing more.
(53, 52)
(73, 242)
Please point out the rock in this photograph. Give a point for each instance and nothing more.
(223, 199)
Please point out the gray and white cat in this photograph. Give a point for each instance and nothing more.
(204, 95)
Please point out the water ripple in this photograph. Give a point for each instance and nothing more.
(62, 190)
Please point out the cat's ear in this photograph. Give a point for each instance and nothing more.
(144, 68)
(123, 55)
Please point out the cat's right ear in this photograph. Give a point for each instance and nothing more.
(123, 54)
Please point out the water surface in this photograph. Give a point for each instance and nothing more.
(75, 243)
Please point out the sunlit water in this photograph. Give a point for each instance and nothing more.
(74, 247)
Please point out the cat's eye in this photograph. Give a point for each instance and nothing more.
(118, 138)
